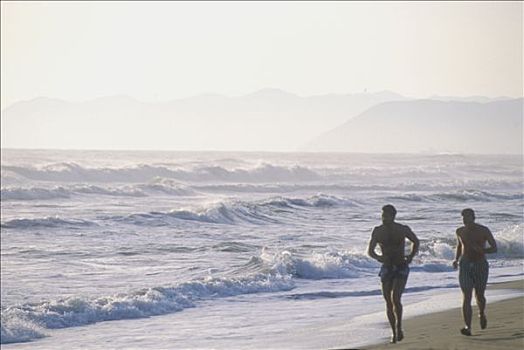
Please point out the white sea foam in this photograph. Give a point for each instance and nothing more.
(25, 322)
(510, 242)
(436, 254)
(319, 265)
(16, 330)
(330, 265)
(166, 186)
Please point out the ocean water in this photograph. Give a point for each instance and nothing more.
(234, 250)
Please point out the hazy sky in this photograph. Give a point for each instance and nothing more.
(163, 50)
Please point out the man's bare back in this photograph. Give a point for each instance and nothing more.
(473, 239)
(391, 239)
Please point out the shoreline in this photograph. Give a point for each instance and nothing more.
(440, 330)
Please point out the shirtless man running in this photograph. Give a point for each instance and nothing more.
(474, 268)
(390, 236)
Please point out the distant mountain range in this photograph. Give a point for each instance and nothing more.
(430, 126)
(270, 120)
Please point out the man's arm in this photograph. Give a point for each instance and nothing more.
(372, 245)
(458, 254)
(492, 244)
(414, 247)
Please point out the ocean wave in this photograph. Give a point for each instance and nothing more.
(510, 242)
(459, 196)
(222, 213)
(316, 265)
(162, 186)
(166, 186)
(351, 184)
(37, 193)
(289, 187)
(28, 321)
(72, 172)
(124, 191)
(46, 222)
(219, 213)
(16, 330)
(33, 193)
(436, 255)
(334, 265)
(267, 211)
(229, 212)
(234, 247)
(317, 201)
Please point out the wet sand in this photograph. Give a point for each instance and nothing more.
(441, 330)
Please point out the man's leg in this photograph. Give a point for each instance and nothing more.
(398, 288)
(466, 306)
(480, 289)
(387, 288)
(466, 285)
(481, 303)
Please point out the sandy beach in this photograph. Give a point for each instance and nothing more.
(441, 330)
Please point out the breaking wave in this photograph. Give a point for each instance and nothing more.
(268, 211)
(29, 321)
(270, 271)
(72, 172)
(272, 210)
(510, 242)
(161, 186)
(317, 265)
(434, 256)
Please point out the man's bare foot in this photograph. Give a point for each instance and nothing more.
(483, 321)
(393, 339)
(465, 331)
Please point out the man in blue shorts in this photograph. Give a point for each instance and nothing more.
(474, 268)
(390, 237)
